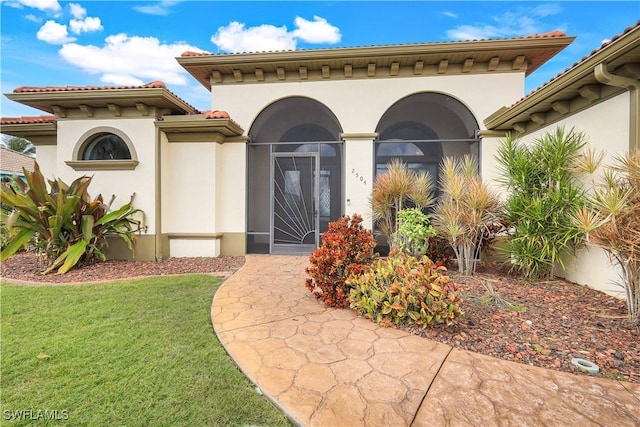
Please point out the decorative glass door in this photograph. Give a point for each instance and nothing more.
(294, 203)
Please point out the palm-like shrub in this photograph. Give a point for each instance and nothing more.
(543, 197)
(63, 223)
(465, 210)
(611, 221)
(394, 190)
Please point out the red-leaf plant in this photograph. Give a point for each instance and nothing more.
(347, 249)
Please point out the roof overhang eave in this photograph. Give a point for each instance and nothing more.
(506, 117)
(195, 125)
(46, 100)
(195, 64)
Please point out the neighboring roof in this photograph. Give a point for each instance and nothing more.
(58, 100)
(519, 54)
(575, 88)
(12, 162)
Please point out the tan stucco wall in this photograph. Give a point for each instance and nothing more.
(358, 106)
(189, 188)
(47, 157)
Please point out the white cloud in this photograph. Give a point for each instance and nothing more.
(85, 25)
(44, 5)
(450, 14)
(125, 60)
(33, 18)
(520, 22)
(236, 37)
(162, 8)
(316, 31)
(53, 33)
(77, 11)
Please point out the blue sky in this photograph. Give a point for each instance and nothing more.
(97, 43)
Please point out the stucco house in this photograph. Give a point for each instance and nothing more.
(295, 138)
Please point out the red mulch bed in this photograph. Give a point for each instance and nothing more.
(548, 324)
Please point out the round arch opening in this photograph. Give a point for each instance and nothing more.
(422, 129)
(295, 163)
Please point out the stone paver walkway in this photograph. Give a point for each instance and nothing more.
(328, 367)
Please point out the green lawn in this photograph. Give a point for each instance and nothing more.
(131, 353)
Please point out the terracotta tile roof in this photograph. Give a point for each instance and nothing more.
(27, 120)
(586, 57)
(551, 34)
(13, 162)
(216, 114)
(25, 89)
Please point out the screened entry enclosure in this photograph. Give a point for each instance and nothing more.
(294, 177)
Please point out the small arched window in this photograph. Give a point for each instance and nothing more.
(106, 146)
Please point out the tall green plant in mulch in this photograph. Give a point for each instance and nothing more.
(395, 190)
(63, 222)
(466, 210)
(414, 232)
(543, 197)
(346, 250)
(611, 221)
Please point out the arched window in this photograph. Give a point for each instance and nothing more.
(106, 146)
(422, 129)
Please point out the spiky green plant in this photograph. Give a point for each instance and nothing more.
(63, 223)
(398, 188)
(544, 194)
(465, 209)
(611, 221)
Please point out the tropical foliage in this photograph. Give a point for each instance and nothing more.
(404, 290)
(543, 197)
(414, 232)
(347, 249)
(611, 221)
(395, 190)
(466, 209)
(63, 223)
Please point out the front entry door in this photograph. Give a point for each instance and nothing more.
(294, 203)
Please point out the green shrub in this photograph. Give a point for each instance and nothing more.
(395, 190)
(414, 232)
(63, 223)
(347, 249)
(403, 290)
(544, 197)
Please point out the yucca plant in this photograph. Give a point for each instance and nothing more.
(544, 194)
(63, 223)
(611, 221)
(465, 210)
(394, 190)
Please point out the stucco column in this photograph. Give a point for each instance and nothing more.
(359, 169)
